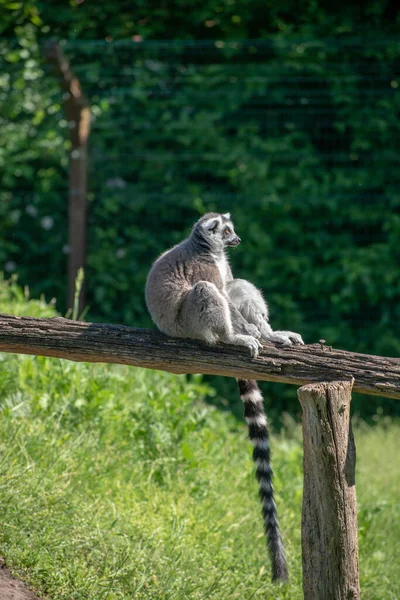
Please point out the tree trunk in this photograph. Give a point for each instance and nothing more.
(77, 113)
(329, 522)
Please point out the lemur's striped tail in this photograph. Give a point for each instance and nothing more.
(256, 419)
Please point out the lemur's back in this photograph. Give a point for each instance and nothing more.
(171, 277)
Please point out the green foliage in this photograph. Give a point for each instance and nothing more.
(17, 301)
(121, 483)
(296, 133)
(33, 213)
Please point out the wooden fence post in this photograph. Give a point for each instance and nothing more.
(77, 113)
(329, 520)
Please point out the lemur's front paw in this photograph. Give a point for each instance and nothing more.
(250, 342)
(253, 345)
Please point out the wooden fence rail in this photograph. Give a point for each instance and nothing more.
(329, 523)
(98, 342)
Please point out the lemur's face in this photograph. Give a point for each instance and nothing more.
(218, 230)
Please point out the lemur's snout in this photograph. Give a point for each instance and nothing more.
(235, 241)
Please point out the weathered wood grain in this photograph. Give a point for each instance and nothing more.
(97, 342)
(329, 522)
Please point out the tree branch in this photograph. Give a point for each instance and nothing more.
(97, 342)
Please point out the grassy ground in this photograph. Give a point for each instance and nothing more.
(121, 483)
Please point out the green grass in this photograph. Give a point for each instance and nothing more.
(117, 483)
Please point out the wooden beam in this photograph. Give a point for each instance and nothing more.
(329, 523)
(98, 342)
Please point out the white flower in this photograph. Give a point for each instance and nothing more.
(47, 223)
(120, 253)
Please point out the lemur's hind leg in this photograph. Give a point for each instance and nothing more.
(205, 315)
(240, 324)
(252, 306)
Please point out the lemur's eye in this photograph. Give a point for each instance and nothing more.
(227, 230)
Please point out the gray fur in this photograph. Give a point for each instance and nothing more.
(190, 292)
(186, 288)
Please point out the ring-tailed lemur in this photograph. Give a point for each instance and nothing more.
(190, 293)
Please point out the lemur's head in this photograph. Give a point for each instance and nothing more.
(215, 231)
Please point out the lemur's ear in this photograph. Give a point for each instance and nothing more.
(211, 225)
(227, 215)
